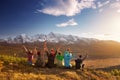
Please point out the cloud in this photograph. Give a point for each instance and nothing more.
(101, 36)
(116, 5)
(103, 4)
(118, 10)
(71, 22)
(101, 10)
(100, 5)
(117, 0)
(74, 7)
(66, 7)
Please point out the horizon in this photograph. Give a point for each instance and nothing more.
(99, 19)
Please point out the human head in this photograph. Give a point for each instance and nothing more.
(68, 49)
(38, 53)
(80, 56)
(52, 51)
(59, 53)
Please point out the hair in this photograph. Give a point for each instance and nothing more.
(59, 53)
(38, 53)
(80, 56)
(68, 49)
(51, 49)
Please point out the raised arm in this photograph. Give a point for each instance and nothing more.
(35, 50)
(46, 51)
(58, 50)
(45, 48)
(45, 44)
(25, 48)
(85, 57)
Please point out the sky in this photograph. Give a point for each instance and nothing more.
(85, 18)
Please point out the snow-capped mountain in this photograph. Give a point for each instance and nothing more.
(22, 38)
(2, 40)
(51, 37)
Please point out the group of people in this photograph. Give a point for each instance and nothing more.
(63, 59)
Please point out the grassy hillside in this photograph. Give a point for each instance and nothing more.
(15, 68)
(103, 62)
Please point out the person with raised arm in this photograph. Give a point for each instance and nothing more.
(67, 58)
(29, 55)
(59, 58)
(79, 62)
(40, 58)
(51, 56)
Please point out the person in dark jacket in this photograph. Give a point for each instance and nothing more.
(51, 56)
(79, 62)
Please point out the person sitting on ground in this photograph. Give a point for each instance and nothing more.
(29, 55)
(40, 59)
(59, 58)
(79, 62)
(67, 58)
(51, 56)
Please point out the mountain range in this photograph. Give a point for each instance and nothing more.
(51, 37)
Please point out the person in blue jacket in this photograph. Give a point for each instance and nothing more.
(67, 58)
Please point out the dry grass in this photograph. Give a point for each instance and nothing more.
(20, 71)
(60, 74)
